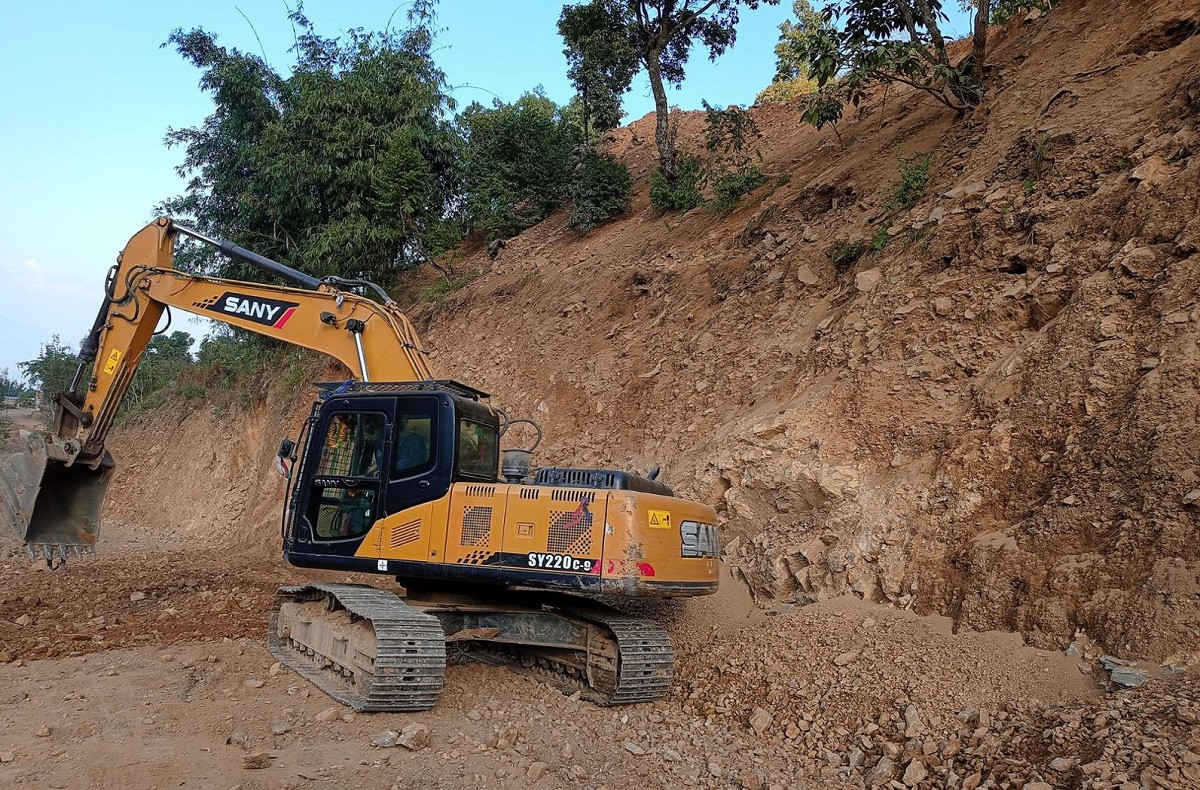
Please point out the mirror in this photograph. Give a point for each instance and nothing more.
(285, 457)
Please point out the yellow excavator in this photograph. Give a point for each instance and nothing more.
(396, 473)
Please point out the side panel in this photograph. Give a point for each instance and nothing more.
(474, 523)
(554, 529)
(659, 545)
(415, 534)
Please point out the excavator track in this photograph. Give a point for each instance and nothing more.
(627, 659)
(364, 647)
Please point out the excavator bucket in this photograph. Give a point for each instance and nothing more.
(50, 505)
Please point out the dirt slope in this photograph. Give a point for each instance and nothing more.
(993, 418)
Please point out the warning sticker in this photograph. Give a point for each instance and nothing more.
(660, 519)
(114, 359)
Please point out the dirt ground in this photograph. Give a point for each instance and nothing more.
(146, 667)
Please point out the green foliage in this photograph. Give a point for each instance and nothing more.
(845, 254)
(439, 290)
(1003, 10)
(227, 355)
(166, 358)
(660, 36)
(880, 239)
(730, 167)
(858, 44)
(517, 163)
(53, 369)
(791, 79)
(679, 193)
(602, 189)
(914, 178)
(728, 188)
(346, 167)
(10, 387)
(1040, 150)
(601, 63)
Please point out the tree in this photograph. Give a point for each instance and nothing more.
(791, 79)
(862, 43)
(53, 369)
(517, 163)
(346, 167)
(660, 34)
(10, 387)
(601, 63)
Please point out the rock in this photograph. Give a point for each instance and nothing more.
(7, 757)
(913, 726)
(866, 281)
(1187, 714)
(633, 748)
(508, 737)
(137, 595)
(1037, 786)
(275, 669)
(760, 720)
(943, 305)
(1177, 317)
(1129, 677)
(1151, 172)
(915, 773)
(329, 714)
(1140, 262)
(807, 276)
(415, 737)
(715, 767)
(348, 718)
(884, 772)
(385, 739)
(253, 683)
(537, 770)
(43, 731)
(23, 620)
(966, 191)
(845, 658)
(1192, 497)
(280, 728)
(258, 760)
(1062, 764)
(474, 715)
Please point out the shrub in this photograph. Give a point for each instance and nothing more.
(914, 177)
(845, 254)
(601, 189)
(679, 194)
(729, 187)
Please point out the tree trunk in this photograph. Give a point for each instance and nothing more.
(979, 44)
(662, 117)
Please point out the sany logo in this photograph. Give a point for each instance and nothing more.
(268, 312)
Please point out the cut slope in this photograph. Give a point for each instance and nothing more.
(992, 418)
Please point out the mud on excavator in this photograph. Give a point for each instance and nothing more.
(395, 473)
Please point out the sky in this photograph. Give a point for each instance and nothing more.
(87, 93)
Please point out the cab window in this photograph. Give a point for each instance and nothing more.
(415, 444)
(342, 502)
(476, 450)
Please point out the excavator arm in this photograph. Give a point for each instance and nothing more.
(50, 496)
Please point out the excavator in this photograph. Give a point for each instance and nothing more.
(394, 473)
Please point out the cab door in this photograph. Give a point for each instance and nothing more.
(348, 458)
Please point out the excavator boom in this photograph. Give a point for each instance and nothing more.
(51, 494)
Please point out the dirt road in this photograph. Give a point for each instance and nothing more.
(146, 668)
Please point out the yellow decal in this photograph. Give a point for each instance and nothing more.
(114, 359)
(660, 519)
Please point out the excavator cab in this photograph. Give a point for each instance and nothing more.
(373, 449)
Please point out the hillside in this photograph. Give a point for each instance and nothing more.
(992, 418)
(986, 422)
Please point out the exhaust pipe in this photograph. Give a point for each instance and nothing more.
(49, 502)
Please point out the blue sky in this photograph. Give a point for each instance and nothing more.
(87, 94)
